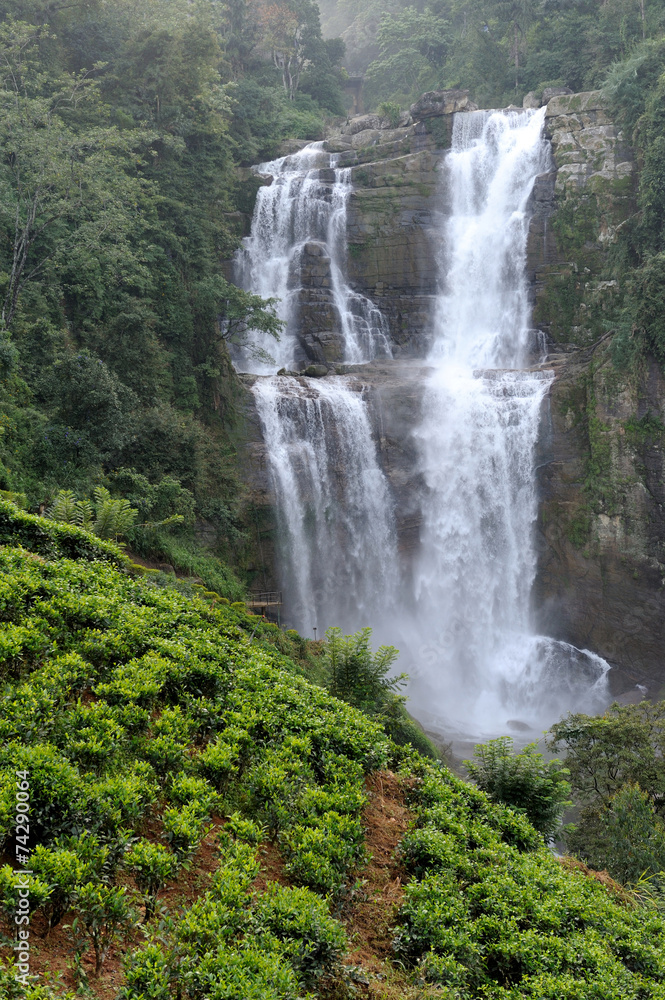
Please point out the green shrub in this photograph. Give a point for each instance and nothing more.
(140, 681)
(245, 829)
(38, 895)
(321, 852)
(313, 941)
(245, 972)
(524, 780)
(189, 790)
(219, 761)
(391, 111)
(483, 917)
(184, 830)
(57, 791)
(93, 738)
(624, 837)
(104, 916)
(152, 865)
(53, 540)
(148, 974)
(121, 801)
(104, 516)
(356, 674)
(62, 871)
(101, 857)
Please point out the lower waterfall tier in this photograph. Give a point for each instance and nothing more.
(373, 505)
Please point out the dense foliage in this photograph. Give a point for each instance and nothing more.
(123, 701)
(143, 715)
(525, 780)
(497, 49)
(491, 912)
(123, 128)
(617, 772)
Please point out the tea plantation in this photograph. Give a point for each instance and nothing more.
(138, 715)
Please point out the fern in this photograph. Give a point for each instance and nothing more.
(63, 508)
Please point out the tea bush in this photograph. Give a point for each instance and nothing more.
(152, 865)
(104, 916)
(63, 871)
(312, 939)
(39, 892)
(488, 913)
(138, 711)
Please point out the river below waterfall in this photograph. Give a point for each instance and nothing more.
(458, 606)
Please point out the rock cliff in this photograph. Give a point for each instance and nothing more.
(602, 518)
(601, 527)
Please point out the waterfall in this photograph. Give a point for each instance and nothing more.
(474, 655)
(461, 613)
(306, 201)
(337, 535)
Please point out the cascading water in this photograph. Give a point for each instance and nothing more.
(461, 616)
(337, 534)
(473, 651)
(306, 201)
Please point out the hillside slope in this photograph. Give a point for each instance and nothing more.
(157, 731)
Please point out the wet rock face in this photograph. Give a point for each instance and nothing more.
(393, 241)
(601, 526)
(317, 317)
(577, 208)
(442, 102)
(392, 216)
(602, 513)
(588, 147)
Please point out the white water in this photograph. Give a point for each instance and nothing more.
(463, 618)
(306, 201)
(337, 535)
(476, 663)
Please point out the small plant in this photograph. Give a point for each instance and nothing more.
(148, 974)
(525, 780)
(62, 871)
(189, 790)
(219, 761)
(105, 915)
(152, 865)
(391, 111)
(11, 903)
(359, 676)
(184, 830)
(245, 829)
(91, 851)
(104, 516)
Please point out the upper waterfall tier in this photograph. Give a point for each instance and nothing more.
(296, 253)
(482, 316)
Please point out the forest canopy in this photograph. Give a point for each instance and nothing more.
(498, 49)
(125, 128)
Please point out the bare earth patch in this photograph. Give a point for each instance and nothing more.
(369, 921)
